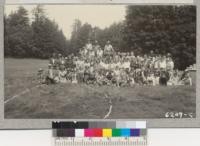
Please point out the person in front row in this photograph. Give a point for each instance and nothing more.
(62, 74)
(187, 80)
(53, 61)
(50, 75)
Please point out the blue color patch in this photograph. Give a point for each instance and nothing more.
(135, 132)
(125, 132)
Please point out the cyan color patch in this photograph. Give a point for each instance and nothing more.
(126, 132)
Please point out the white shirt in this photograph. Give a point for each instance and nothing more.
(108, 48)
(163, 64)
(89, 46)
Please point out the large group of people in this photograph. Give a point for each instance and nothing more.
(104, 66)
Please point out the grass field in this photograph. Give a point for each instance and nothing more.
(25, 99)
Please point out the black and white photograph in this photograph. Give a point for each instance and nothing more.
(99, 61)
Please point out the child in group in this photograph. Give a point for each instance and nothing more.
(110, 77)
(176, 79)
(164, 77)
(126, 64)
(91, 78)
(117, 75)
(157, 77)
(187, 80)
(41, 76)
(62, 74)
(132, 81)
(56, 74)
(151, 79)
(74, 77)
(62, 61)
(50, 75)
(123, 77)
(162, 63)
(99, 78)
(86, 74)
(169, 64)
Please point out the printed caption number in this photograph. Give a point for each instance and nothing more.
(178, 115)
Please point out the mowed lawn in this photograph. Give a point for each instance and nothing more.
(80, 101)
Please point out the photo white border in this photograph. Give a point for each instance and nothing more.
(46, 123)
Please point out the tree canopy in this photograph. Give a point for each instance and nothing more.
(163, 29)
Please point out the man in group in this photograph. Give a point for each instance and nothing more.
(89, 46)
(53, 61)
(108, 49)
(98, 50)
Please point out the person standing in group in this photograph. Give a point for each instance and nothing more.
(89, 46)
(53, 61)
(96, 47)
(108, 49)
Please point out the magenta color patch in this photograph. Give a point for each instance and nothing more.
(88, 133)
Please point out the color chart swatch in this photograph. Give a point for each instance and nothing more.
(99, 132)
(120, 133)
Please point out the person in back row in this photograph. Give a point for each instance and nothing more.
(89, 46)
(108, 49)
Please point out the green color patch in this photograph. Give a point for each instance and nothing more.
(116, 132)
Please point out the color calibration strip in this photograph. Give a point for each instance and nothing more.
(101, 124)
(121, 133)
(98, 132)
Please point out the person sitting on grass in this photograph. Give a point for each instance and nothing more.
(123, 78)
(131, 80)
(157, 77)
(74, 77)
(50, 75)
(176, 79)
(62, 74)
(86, 74)
(187, 80)
(41, 76)
(56, 74)
(98, 78)
(117, 75)
(109, 76)
(151, 79)
(91, 78)
(164, 77)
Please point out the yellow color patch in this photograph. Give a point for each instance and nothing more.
(107, 132)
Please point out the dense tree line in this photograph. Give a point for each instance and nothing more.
(37, 39)
(160, 28)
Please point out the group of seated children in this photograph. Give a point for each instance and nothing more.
(94, 65)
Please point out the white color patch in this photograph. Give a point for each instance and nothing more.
(141, 124)
(130, 124)
(79, 132)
